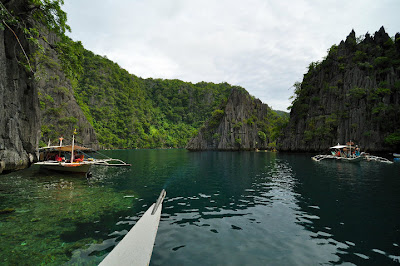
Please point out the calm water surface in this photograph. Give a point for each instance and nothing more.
(221, 208)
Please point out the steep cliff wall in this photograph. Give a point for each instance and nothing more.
(353, 94)
(24, 90)
(60, 113)
(237, 126)
(19, 104)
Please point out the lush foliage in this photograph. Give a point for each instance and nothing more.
(272, 126)
(130, 112)
(50, 14)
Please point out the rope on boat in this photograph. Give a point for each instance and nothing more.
(377, 159)
(105, 162)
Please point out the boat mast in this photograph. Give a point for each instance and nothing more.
(72, 151)
(73, 143)
(350, 149)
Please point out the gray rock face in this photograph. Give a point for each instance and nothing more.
(19, 104)
(352, 95)
(233, 128)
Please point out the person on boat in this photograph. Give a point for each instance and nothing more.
(79, 158)
(58, 158)
(345, 154)
(357, 152)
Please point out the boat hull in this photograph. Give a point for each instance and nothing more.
(318, 158)
(352, 160)
(66, 167)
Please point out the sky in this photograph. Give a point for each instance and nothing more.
(264, 46)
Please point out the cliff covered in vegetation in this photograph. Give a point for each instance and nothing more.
(35, 93)
(243, 123)
(131, 112)
(353, 94)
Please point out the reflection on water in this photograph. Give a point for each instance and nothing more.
(235, 208)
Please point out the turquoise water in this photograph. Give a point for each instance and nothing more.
(221, 208)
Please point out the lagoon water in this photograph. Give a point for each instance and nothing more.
(221, 208)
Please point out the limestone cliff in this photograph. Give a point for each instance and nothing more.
(23, 111)
(238, 125)
(353, 94)
(19, 104)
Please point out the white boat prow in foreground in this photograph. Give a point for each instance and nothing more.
(137, 246)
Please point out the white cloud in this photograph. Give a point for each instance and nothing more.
(263, 46)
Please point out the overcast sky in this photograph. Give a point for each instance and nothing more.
(264, 46)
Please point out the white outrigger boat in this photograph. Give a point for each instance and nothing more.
(349, 153)
(71, 158)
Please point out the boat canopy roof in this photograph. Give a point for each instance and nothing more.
(66, 148)
(339, 147)
(343, 146)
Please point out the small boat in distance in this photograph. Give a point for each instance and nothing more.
(72, 158)
(348, 153)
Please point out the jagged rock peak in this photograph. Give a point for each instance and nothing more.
(352, 35)
(381, 36)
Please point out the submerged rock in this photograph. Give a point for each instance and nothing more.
(7, 210)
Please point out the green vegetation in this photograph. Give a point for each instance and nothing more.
(393, 139)
(45, 13)
(271, 127)
(130, 112)
(357, 93)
